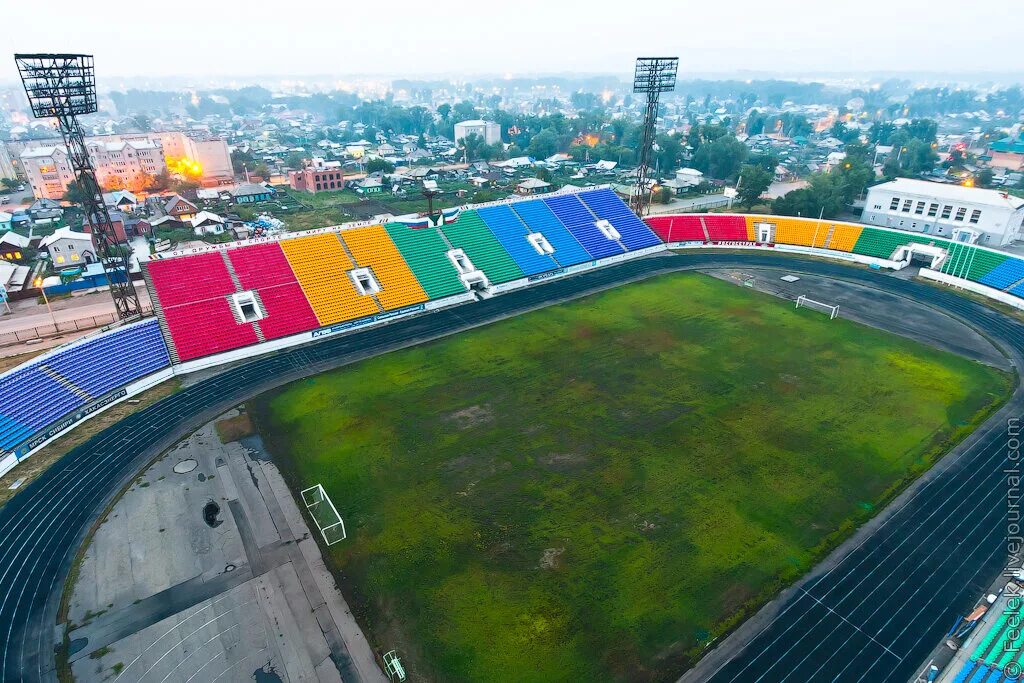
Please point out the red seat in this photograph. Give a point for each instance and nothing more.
(726, 228)
(190, 278)
(261, 265)
(686, 228)
(288, 311)
(205, 327)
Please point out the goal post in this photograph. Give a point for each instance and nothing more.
(804, 301)
(325, 515)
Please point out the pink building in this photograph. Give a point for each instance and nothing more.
(317, 179)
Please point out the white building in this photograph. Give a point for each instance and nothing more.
(6, 167)
(48, 171)
(939, 209)
(689, 177)
(67, 247)
(488, 130)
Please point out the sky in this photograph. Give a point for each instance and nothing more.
(522, 37)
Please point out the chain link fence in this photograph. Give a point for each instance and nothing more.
(62, 327)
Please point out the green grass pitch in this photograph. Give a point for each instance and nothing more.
(596, 490)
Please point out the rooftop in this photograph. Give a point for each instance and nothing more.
(975, 195)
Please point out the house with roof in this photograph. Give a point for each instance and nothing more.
(68, 247)
(6, 221)
(13, 246)
(250, 193)
(368, 186)
(122, 200)
(1007, 153)
(180, 208)
(532, 186)
(207, 223)
(45, 211)
(118, 221)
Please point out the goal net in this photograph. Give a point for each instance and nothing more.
(321, 509)
(832, 311)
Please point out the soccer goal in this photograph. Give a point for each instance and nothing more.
(832, 311)
(393, 667)
(322, 510)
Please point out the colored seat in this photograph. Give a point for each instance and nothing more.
(322, 267)
(582, 225)
(538, 218)
(511, 233)
(425, 251)
(606, 205)
(372, 248)
(470, 234)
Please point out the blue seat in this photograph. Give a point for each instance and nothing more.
(538, 218)
(581, 223)
(606, 205)
(511, 234)
(1005, 274)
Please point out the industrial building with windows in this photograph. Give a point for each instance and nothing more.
(988, 217)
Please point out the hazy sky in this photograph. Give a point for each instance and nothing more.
(464, 37)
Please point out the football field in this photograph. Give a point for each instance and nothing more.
(597, 489)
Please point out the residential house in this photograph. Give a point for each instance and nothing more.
(45, 211)
(67, 247)
(369, 186)
(13, 246)
(207, 223)
(122, 200)
(180, 208)
(118, 221)
(533, 186)
(5, 221)
(250, 193)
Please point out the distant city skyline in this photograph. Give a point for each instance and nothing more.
(200, 40)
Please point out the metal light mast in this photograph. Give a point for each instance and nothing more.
(654, 75)
(63, 86)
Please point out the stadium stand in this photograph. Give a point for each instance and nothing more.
(35, 395)
(206, 327)
(844, 236)
(800, 232)
(321, 267)
(606, 205)
(372, 248)
(424, 250)
(538, 218)
(470, 234)
(287, 311)
(724, 228)
(511, 233)
(190, 278)
(580, 222)
(882, 243)
(686, 228)
(1004, 274)
(260, 265)
(264, 269)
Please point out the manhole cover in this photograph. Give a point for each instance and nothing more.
(185, 466)
(210, 513)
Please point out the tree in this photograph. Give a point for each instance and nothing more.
(543, 174)
(824, 197)
(754, 181)
(543, 144)
(374, 165)
(720, 159)
(75, 193)
(240, 159)
(756, 122)
(984, 178)
(444, 111)
(9, 183)
(295, 160)
(663, 195)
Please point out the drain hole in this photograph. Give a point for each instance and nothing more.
(211, 511)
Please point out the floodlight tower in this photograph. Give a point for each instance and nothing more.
(654, 75)
(63, 86)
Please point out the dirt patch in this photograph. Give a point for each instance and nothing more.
(10, 362)
(470, 417)
(40, 461)
(551, 558)
(235, 428)
(563, 462)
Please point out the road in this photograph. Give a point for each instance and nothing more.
(872, 616)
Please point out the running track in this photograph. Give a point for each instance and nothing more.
(872, 617)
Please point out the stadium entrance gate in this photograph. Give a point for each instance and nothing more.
(933, 256)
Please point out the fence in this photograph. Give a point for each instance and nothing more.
(62, 327)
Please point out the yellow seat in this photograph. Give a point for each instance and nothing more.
(372, 247)
(321, 266)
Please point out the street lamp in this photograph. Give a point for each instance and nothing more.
(38, 282)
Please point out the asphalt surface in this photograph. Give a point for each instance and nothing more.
(873, 616)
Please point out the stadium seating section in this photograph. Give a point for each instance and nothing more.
(685, 228)
(580, 222)
(322, 269)
(844, 236)
(372, 248)
(470, 234)
(1000, 646)
(35, 395)
(537, 215)
(510, 231)
(606, 205)
(724, 228)
(424, 250)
